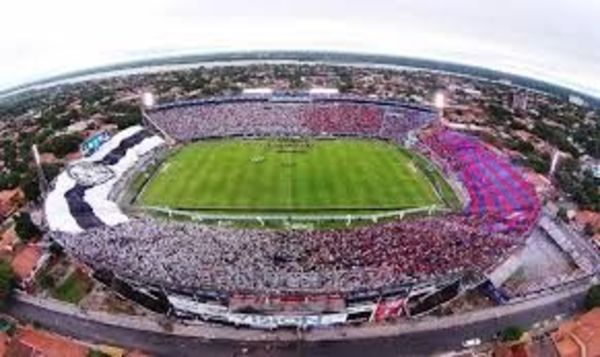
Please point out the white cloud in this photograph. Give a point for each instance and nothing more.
(556, 41)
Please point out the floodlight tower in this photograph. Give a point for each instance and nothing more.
(147, 102)
(42, 181)
(554, 162)
(439, 102)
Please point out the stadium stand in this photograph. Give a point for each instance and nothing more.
(254, 260)
(332, 275)
(79, 199)
(343, 118)
(497, 191)
(249, 116)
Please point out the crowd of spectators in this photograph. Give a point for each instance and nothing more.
(343, 118)
(186, 123)
(187, 256)
(496, 189)
(397, 122)
(253, 117)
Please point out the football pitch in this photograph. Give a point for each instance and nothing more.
(271, 175)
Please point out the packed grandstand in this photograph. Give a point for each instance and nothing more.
(256, 116)
(404, 265)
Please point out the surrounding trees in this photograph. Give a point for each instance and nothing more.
(540, 164)
(555, 136)
(30, 186)
(46, 281)
(592, 298)
(62, 145)
(498, 114)
(56, 249)
(581, 187)
(7, 281)
(25, 228)
(9, 180)
(587, 136)
(9, 153)
(51, 170)
(562, 214)
(511, 333)
(588, 229)
(124, 115)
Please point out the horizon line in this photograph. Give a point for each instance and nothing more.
(274, 55)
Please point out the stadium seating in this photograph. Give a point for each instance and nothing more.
(497, 191)
(343, 118)
(192, 120)
(266, 261)
(76, 204)
(249, 263)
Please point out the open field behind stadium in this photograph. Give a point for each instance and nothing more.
(288, 175)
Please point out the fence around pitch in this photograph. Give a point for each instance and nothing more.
(297, 217)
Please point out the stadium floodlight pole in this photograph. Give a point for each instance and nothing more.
(147, 102)
(439, 102)
(42, 181)
(554, 163)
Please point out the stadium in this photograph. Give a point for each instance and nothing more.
(299, 209)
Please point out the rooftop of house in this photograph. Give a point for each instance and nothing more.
(8, 196)
(25, 260)
(30, 342)
(7, 240)
(588, 217)
(4, 339)
(579, 334)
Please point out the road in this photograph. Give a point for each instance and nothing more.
(423, 342)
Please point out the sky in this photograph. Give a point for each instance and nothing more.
(553, 40)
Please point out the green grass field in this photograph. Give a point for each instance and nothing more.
(74, 288)
(273, 175)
